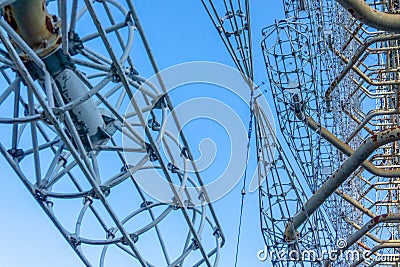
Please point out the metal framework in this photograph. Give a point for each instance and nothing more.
(73, 101)
(73, 93)
(282, 192)
(333, 70)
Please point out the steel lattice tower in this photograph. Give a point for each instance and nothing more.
(333, 69)
(73, 106)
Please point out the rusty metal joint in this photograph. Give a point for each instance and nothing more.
(360, 10)
(340, 176)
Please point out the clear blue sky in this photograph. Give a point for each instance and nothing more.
(178, 31)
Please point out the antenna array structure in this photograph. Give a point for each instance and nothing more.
(81, 128)
(281, 190)
(333, 70)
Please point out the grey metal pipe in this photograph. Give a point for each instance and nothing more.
(369, 117)
(355, 203)
(351, 63)
(365, 229)
(340, 176)
(371, 236)
(372, 17)
(345, 148)
(21, 120)
(375, 249)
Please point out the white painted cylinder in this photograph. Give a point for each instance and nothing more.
(86, 116)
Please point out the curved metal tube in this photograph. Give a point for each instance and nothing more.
(339, 176)
(369, 116)
(366, 228)
(368, 234)
(372, 17)
(355, 203)
(373, 250)
(345, 148)
(351, 63)
(21, 120)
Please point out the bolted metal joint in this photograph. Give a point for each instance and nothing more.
(39, 29)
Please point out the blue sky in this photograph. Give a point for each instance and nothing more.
(178, 31)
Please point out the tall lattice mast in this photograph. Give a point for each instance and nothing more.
(342, 75)
(333, 71)
(71, 95)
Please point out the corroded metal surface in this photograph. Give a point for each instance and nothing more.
(30, 19)
(353, 54)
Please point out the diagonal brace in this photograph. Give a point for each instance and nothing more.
(340, 176)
